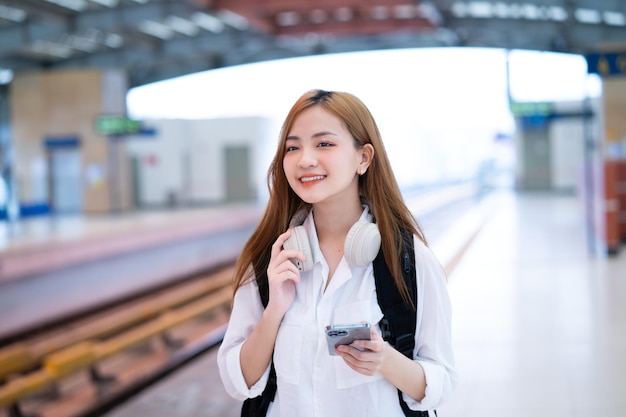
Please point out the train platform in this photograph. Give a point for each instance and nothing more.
(53, 268)
(69, 264)
(538, 323)
(34, 246)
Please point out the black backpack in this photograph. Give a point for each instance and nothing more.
(397, 324)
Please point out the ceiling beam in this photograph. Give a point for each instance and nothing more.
(288, 28)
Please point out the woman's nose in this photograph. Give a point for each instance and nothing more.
(307, 158)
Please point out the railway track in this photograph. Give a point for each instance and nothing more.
(86, 365)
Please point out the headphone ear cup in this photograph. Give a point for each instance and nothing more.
(362, 243)
(299, 240)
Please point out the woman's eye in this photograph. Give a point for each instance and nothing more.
(291, 148)
(324, 144)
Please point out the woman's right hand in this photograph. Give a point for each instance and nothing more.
(282, 276)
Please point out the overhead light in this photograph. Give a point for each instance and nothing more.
(6, 76)
(94, 35)
(590, 16)
(404, 11)
(480, 9)
(12, 13)
(430, 12)
(318, 16)
(208, 22)
(156, 29)
(233, 19)
(113, 40)
(107, 3)
(379, 13)
(501, 10)
(54, 49)
(76, 5)
(344, 14)
(531, 12)
(544, 12)
(614, 19)
(557, 13)
(67, 44)
(180, 25)
(79, 43)
(459, 9)
(289, 18)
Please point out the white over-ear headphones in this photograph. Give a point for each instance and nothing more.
(360, 247)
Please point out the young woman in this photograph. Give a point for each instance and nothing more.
(331, 166)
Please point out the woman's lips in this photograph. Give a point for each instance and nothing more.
(312, 178)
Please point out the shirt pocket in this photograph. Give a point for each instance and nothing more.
(356, 312)
(288, 348)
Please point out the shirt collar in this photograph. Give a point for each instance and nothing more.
(309, 225)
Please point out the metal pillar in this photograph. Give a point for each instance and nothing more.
(6, 156)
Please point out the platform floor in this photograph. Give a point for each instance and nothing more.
(539, 325)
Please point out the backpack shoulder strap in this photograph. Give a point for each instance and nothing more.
(398, 323)
(399, 318)
(264, 288)
(258, 406)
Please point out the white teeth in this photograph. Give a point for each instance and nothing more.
(308, 179)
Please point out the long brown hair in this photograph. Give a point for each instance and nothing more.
(378, 186)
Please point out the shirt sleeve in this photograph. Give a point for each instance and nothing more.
(433, 335)
(246, 313)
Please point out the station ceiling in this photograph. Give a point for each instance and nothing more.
(159, 39)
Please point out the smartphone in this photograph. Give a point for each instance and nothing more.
(345, 334)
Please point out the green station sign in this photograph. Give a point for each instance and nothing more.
(117, 125)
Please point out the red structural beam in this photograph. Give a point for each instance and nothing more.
(335, 17)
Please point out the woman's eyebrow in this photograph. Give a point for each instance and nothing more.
(324, 133)
(315, 135)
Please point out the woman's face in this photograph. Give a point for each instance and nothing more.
(321, 161)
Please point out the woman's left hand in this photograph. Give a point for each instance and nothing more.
(365, 356)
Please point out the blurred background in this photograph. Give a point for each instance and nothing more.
(135, 138)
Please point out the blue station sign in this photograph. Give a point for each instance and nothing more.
(606, 64)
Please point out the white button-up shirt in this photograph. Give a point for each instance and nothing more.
(310, 381)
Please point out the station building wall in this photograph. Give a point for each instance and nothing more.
(53, 114)
(185, 162)
(550, 155)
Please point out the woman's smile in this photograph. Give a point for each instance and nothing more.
(310, 180)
